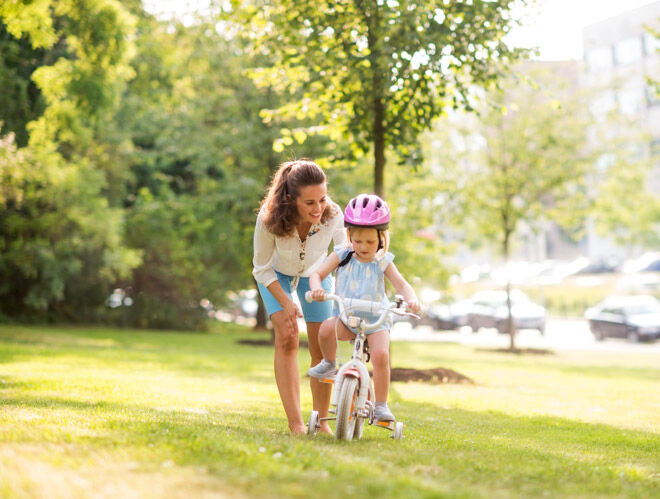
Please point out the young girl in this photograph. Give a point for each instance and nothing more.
(360, 270)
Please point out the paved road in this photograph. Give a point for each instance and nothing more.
(561, 334)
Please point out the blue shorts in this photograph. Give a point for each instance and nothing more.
(317, 311)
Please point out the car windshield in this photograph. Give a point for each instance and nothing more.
(647, 307)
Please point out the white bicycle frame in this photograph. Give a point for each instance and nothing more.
(356, 367)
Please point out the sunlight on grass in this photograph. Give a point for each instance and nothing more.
(92, 411)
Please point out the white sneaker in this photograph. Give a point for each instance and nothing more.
(323, 370)
(383, 413)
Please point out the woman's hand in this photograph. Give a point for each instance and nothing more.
(318, 294)
(291, 314)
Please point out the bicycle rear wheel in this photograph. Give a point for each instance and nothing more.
(346, 409)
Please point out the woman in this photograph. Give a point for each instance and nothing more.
(294, 227)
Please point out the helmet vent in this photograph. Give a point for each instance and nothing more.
(365, 201)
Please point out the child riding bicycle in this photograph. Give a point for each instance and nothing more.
(361, 268)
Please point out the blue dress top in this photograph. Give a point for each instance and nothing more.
(365, 281)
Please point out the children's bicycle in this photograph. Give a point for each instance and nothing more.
(353, 393)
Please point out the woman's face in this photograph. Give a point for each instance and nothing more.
(311, 203)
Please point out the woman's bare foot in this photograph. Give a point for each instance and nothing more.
(298, 430)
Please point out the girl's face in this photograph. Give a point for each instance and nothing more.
(311, 203)
(365, 243)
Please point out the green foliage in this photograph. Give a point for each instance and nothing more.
(20, 99)
(202, 157)
(61, 243)
(524, 160)
(32, 18)
(375, 74)
(624, 207)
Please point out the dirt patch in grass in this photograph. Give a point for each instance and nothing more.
(436, 376)
(518, 351)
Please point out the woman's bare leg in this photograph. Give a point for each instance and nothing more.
(287, 375)
(320, 391)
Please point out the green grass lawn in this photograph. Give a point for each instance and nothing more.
(121, 413)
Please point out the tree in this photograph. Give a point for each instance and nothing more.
(20, 100)
(61, 243)
(625, 209)
(61, 238)
(375, 73)
(201, 161)
(524, 159)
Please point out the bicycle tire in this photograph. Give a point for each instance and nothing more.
(346, 417)
(359, 426)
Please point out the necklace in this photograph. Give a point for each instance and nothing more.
(301, 254)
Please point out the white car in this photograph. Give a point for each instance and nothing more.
(488, 309)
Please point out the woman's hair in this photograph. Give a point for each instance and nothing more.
(279, 211)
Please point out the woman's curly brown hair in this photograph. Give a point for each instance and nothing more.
(278, 208)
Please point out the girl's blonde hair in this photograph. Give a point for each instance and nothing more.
(279, 211)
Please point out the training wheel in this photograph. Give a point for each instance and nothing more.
(398, 431)
(313, 425)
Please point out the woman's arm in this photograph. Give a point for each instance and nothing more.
(339, 237)
(403, 287)
(321, 273)
(264, 251)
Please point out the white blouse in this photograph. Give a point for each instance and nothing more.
(289, 255)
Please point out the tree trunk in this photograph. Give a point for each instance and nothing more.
(378, 91)
(511, 330)
(379, 148)
(262, 314)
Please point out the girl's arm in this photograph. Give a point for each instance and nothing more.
(328, 265)
(403, 288)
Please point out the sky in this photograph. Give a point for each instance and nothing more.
(554, 26)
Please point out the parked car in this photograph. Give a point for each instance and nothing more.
(636, 317)
(641, 275)
(440, 316)
(488, 309)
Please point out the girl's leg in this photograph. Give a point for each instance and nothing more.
(320, 391)
(287, 375)
(379, 347)
(323, 345)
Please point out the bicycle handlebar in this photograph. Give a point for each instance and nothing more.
(356, 304)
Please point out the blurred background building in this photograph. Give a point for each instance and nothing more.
(622, 61)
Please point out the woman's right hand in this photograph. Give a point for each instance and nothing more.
(291, 314)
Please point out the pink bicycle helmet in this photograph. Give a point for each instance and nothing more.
(368, 211)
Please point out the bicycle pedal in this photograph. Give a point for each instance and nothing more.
(384, 424)
(327, 380)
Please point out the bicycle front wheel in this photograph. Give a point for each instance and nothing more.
(346, 409)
